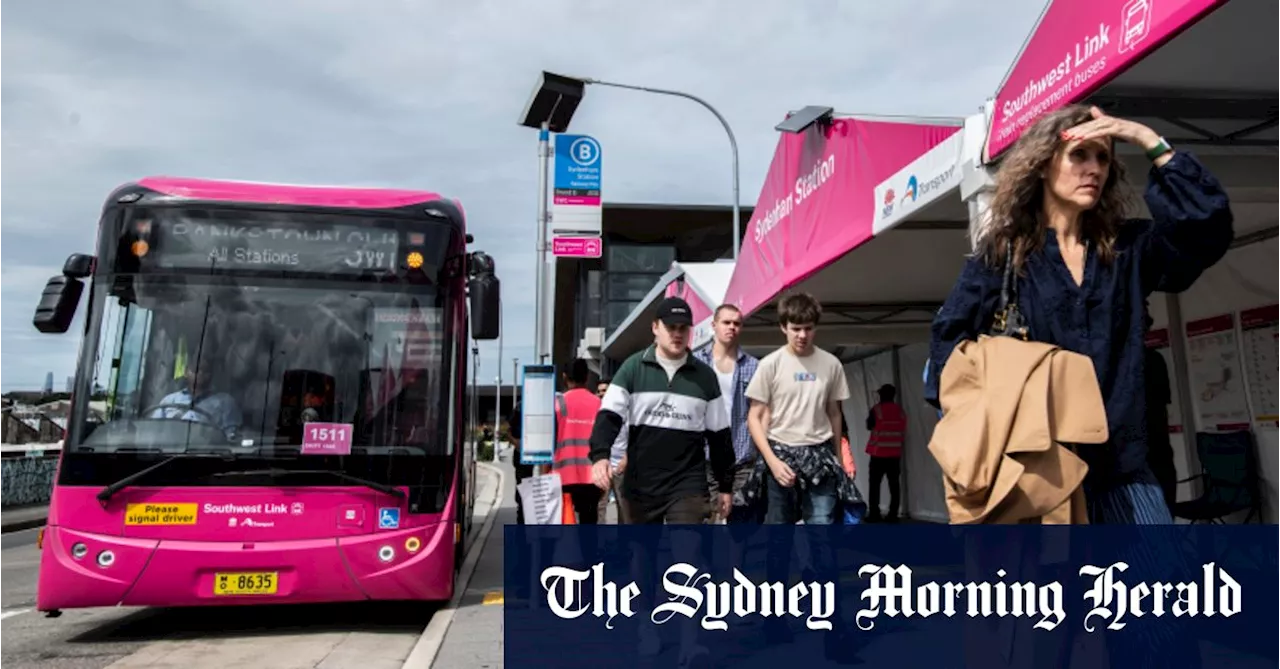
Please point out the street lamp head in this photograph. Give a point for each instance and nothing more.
(798, 122)
(554, 100)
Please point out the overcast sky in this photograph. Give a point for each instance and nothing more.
(421, 94)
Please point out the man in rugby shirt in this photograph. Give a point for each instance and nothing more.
(671, 406)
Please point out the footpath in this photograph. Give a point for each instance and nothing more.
(21, 518)
(469, 633)
(470, 636)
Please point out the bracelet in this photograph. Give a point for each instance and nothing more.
(1162, 147)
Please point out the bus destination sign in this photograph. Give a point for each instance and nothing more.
(321, 248)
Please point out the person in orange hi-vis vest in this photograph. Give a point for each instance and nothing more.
(576, 411)
(888, 425)
(846, 451)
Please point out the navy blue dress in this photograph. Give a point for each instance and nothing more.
(1103, 317)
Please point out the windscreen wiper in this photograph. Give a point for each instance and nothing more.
(129, 480)
(380, 487)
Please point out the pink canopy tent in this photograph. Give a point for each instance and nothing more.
(702, 285)
(816, 204)
(685, 291)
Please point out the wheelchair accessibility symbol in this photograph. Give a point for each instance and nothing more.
(388, 519)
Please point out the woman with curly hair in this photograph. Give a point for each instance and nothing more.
(1082, 272)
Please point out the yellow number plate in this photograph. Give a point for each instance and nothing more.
(246, 583)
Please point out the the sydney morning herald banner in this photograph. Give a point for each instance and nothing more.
(899, 596)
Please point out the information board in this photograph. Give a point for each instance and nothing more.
(543, 499)
(575, 203)
(538, 415)
(1258, 341)
(1217, 381)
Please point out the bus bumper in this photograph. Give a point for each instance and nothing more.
(81, 569)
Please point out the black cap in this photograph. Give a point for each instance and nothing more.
(675, 311)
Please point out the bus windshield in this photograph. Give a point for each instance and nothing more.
(198, 363)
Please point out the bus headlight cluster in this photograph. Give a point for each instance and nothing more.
(78, 551)
(106, 559)
(386, 553)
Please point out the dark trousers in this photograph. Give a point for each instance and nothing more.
(685, 510)
(880, 468)
(586, 502)
(602, 509)
(522, 472)
(738, 514)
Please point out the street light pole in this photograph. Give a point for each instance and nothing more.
(733, 144)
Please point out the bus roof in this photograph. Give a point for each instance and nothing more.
(272, 193)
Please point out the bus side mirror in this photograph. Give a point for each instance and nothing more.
(58, 305)
(78, 266)
(486, 307)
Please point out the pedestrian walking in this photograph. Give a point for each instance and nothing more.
(734, 370)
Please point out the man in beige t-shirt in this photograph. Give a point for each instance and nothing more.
(795, 418)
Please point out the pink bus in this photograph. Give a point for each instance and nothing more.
(270, 398)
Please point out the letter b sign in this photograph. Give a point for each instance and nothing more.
(584, 151)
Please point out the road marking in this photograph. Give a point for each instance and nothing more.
(491, 598)
(10, 614)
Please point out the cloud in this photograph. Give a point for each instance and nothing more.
(426, 95)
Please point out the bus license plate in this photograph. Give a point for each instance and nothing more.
(246, 583)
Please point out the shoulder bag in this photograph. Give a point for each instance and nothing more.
(1008, 321)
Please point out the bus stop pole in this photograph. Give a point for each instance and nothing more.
(542, 318)
(544, 156)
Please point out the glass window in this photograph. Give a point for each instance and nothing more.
(631, 287)
(646, 258)
(595, 291)
(191, 363)
(591, 310)
(617, 312)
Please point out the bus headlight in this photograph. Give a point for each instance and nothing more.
(106, 559)
(386, 553)
(412, 544)
(78, 551)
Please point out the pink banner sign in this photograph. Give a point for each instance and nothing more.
(817, 201)
(1076, 49)
(326, 438)
(577, 247)
(583, 200)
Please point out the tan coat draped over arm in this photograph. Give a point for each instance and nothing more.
(1009, 408)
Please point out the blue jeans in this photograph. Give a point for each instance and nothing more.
(816, 505)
